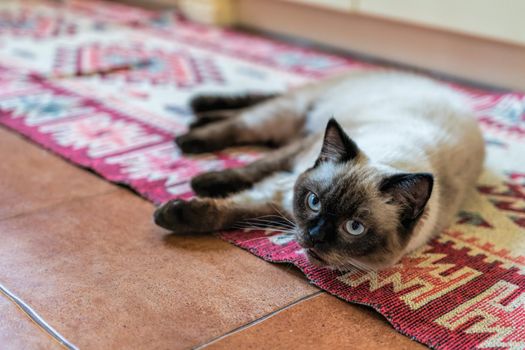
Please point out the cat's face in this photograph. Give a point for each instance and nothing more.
(349, 213)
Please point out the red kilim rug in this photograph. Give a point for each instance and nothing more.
(107, 87)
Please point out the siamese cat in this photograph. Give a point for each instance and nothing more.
(368, 167)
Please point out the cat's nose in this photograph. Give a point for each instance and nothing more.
(316, 233)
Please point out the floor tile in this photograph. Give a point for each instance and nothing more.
(17, 331)
(99, 271)
(32, 178)
(321, 322)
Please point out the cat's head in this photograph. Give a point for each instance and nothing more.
(351, 213)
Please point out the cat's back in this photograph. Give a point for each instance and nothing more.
(400, 115)
(367, 97)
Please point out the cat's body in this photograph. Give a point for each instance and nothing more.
(397, 164)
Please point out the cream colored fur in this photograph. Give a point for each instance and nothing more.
(402, 123)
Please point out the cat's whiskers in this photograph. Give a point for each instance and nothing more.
(272, 216)
(282, 215)
(262, 226)
(278, 223)
(254, 240)
(265, 225)
(283, 233)
(357, 264)
(346, 263)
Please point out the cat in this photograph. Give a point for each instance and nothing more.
(368, 167)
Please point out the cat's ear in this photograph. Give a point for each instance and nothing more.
(337, 145)
(410, 191)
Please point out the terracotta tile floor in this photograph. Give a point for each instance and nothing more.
(86, 256)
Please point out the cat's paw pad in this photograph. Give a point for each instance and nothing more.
(218, 183)
(204, 103)
(191, 144)
(181, 216)
(168, 213)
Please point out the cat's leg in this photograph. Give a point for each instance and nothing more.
(224, 182)
(202, 215)
(208, 103)
(275, 122)
(213, 108)
(205, 118)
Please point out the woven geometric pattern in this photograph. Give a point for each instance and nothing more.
(110, 94)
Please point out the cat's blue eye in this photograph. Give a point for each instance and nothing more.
(313, 202)
(354, 227)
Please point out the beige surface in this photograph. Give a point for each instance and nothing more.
(467, 57)
(341, 5)
(496, 19)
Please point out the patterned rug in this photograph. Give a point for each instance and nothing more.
(107, 87)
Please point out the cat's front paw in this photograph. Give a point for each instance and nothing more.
(185, 217)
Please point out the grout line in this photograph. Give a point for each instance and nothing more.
(36, 318)
(258, 320)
